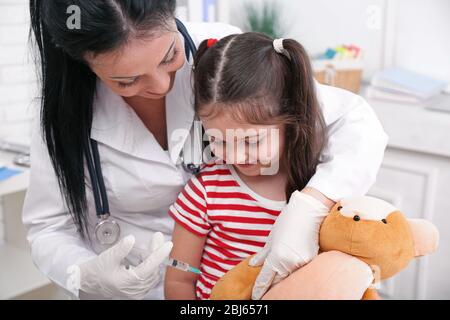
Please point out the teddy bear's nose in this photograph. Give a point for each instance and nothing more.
(356, 218)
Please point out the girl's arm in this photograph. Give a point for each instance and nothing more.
(187, 247)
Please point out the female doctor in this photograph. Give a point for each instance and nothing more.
(116, 99)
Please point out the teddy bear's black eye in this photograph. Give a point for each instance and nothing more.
(384, 221)
(356, 218)
(339, 208)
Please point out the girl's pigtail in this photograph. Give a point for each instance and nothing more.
(306, 137)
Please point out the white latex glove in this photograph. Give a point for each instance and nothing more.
(107, 275)
(292, 243)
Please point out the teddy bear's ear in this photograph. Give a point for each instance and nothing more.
(425, 235)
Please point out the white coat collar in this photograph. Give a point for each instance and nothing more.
(180, 109)
(117, 125)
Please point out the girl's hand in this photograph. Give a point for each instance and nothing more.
(293, 241)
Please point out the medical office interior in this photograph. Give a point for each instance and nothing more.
(395, 53)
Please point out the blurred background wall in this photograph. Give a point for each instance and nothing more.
(407, 33)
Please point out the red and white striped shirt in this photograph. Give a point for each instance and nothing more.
(236, 221)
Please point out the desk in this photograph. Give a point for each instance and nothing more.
(18, 275)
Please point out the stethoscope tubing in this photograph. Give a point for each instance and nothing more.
(94, 179)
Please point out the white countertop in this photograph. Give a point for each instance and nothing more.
(413, 127)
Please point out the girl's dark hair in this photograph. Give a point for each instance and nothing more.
(69, 85)
(244, 75)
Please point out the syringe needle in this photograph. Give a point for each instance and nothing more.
(182, 266)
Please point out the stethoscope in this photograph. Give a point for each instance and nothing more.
(107, 230)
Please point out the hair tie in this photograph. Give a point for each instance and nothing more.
(279, 48)
(211, 42)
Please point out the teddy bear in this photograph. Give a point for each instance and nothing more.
(363, 240)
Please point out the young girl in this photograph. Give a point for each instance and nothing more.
(257, 101)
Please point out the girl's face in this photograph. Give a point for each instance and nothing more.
(252, 149)
(143, 67)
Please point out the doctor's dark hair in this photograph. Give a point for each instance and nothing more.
(244, 75)
(68, 85)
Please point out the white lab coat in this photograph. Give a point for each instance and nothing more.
(142, 179)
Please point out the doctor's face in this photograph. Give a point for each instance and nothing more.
(142, 67)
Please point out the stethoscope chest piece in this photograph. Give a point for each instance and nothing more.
(107, 231)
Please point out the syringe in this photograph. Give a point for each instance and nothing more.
(180, 265)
